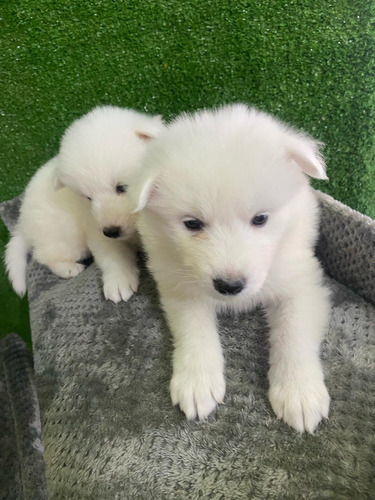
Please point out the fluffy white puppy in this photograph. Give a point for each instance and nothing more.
(77, 203)
(229, 221)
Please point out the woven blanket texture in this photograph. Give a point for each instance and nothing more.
(110, 431)
(22, 468)
(346, 246)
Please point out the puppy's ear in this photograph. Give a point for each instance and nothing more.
(145, 136)
(306, 153)
(140, 192)
(154, 126)
(57, 183)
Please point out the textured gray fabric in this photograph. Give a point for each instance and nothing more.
(9, 211)
(109, 430)
(347, 246)
(22, 468)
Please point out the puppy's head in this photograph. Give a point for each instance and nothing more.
(220, 187)
(98, 154)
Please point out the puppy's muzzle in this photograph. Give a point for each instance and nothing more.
(112, 232)
(229, 287)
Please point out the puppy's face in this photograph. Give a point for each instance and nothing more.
(221, 194)
(101, 175)
(99, 153)
(112, 211)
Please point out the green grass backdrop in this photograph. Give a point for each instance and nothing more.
(310, 63)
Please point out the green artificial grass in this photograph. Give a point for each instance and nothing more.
(309, 63)
(14, 314)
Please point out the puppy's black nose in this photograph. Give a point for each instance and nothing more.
(112, 232)
(229, 287)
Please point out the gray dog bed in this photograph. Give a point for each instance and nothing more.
(109, 429)
(22, 470)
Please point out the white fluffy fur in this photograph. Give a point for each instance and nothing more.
(224, 167)
(57, 221)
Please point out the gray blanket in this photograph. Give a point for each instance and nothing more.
(110, 431)
(22, 469)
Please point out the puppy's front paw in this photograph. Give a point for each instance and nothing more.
(121, 287)
(301, 402)
(67, 269)
(197, 392)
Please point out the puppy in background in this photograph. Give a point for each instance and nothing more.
(77, 203)
(229, 221)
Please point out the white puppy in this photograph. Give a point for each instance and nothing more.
(229, 221)
(77, 203)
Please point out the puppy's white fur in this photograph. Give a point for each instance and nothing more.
(98, 152)
(225, 167)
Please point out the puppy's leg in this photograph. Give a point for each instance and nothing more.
(118, 264)
(60, 254)
(297, 392)
(67, 269)
(197, 384)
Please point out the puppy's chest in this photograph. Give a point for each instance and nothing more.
(247, 305)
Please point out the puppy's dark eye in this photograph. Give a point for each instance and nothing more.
(194, 224)
(121, 188)
(88, 198)
(259, 220)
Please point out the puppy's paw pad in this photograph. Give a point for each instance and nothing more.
(199, 393)
(67, 270)
(117, 289)
(302, 406)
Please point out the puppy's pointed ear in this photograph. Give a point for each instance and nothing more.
(141, 192)
(57, 182)
(154, 126)
(305, 151)
(145, 136)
